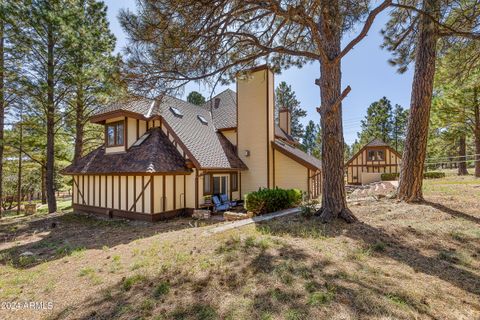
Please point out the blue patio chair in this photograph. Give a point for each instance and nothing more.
(218, 205)
(225, 200)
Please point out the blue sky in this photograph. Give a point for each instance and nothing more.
(365, 69)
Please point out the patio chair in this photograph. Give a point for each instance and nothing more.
(225, 200)
(218, 205)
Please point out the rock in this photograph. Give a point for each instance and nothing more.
(26, 254)
(201, 214)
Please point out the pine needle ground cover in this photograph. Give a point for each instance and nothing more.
(400, 262)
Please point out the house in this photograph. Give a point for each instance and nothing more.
(162, 157)
(368, 164)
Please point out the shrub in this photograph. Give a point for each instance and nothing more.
(308, 208)
(389, 176)
(271, 200)
(433, 175)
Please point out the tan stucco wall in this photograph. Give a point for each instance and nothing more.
(121, 196)
(131, 131)
(289, 174)
(256, 128)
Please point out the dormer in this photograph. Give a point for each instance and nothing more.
(115, 134)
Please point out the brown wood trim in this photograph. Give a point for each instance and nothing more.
(152, 203)
(268, 129)
(196, 188)
(308, 182)
(138, 129)
(101, 118)
(373, 165)
(164, 178)
(174, 193)
(99, 191)
(94, 187)
(125, 132)
(236, 115)
(134, 173)
(134, 193)
(240, 184)
(273, 160)
(119, 192)
(126, 192)
(106, 192)
(115, 134)
(141, 194)
(79, 193)
(113, 192)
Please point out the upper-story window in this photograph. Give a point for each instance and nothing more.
(376, 155)
(115, 134)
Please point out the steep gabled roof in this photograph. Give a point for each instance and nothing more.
(155, 155)
(224, 109)
(377, 143)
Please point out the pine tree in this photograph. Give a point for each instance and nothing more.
(285, 98)
(399, 127)
(309, 138)
(92, 69)
(378, 122)
(196, 98)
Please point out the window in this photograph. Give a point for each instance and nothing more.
(202, 119)
(376, 155)
(140, 141)
(176, 112)
(214, 185)
(234, 181)
(207, 184)
(115, 134)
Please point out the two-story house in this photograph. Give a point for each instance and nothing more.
(162, 157)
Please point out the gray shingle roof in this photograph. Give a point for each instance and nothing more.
(377, 143)
(224, 109)
(133, 104)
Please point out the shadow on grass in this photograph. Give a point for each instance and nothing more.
(54, 237)
(453, 212)
(371, 236)
(254, 282)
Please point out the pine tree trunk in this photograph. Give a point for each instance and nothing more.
(19, 182)
(43, 193)
(50, 165)
(79, 125)
(2, 109)
(411, 173)
(476, 100)
(462, 155)
(334, 202)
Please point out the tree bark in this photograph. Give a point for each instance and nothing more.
(462, 155)
(334, 202)
(43, 193)
(2, 108)
(79, 125)
(476, 101)
(411, 173)
(50, 165)
(20, 155)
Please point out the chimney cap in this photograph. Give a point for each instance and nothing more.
(283, 109)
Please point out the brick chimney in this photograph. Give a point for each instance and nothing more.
(285, 120)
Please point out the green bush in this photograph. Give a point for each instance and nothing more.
(271, 200)
(433, 175)
(389, 176)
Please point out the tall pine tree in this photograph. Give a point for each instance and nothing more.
(285, 98)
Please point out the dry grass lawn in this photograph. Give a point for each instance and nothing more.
(401, 262)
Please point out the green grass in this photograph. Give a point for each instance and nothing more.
(129, 282)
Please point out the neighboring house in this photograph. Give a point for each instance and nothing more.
(368, 164)
(162, 157)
